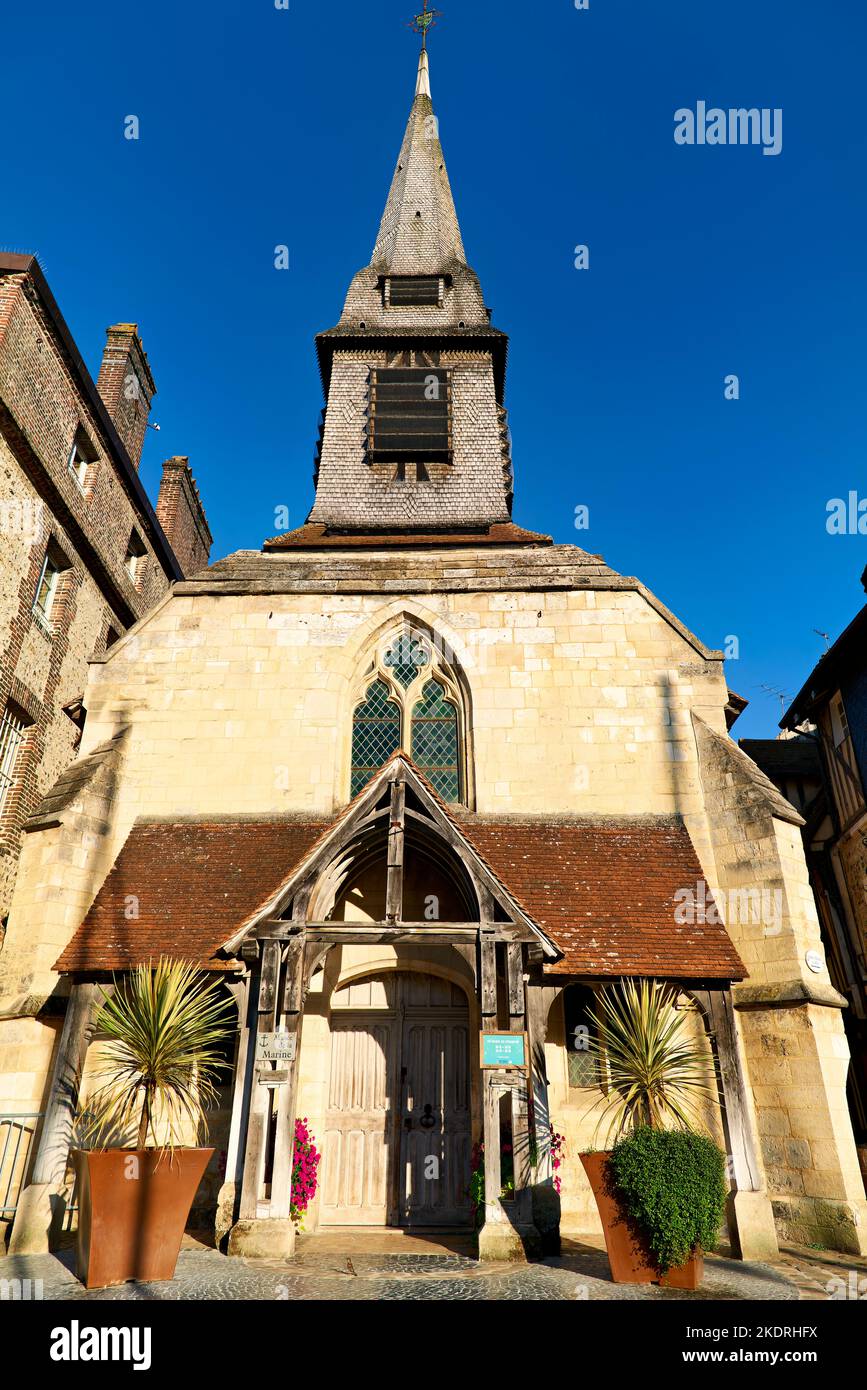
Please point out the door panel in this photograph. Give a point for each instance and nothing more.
(435, 1157)
(396, 1148)
(357, 1123)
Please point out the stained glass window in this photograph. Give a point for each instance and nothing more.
(375, 734)
(435, 740)
(405, 658)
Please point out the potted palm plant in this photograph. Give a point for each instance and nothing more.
(660, 1190)
(163, 1027)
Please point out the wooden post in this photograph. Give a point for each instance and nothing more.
(34, 1217)
(520, 1093)
(227, 1197)
(749, 1214)
(719, 1021)
(53, 1152)
(284, 1138)
(490, 1095)
(259, 1105)
(546, 1203)
(240, 991)
(394, 870)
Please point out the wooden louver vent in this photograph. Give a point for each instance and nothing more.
(413, 289)
(410, 414)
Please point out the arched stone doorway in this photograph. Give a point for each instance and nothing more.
(398, 1124)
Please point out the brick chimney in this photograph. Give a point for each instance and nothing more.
(126, 385)
(182, 516)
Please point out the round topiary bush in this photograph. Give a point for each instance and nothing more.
(673, 1185)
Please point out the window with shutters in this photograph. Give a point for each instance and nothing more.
(409, 416)
(409, 698)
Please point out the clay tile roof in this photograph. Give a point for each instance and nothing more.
(195, 881)
(603, 892)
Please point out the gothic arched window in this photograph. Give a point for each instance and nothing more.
(435, 740)
(375, 734)
(410, 699)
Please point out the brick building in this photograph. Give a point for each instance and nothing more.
(410, 778)
(83, 555)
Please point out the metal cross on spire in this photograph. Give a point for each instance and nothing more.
(420, 23)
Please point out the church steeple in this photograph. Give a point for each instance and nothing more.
(414, 437)
(419, 232)
(422, 84)
(419, 235)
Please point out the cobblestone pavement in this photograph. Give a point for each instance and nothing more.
(579, 1274)
(823, 1274)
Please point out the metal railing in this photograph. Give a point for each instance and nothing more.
(16, 1139)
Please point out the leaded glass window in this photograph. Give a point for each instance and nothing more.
(405, 658)
(375, 734)
(581, 1032)
(408, 698)
(435, 740)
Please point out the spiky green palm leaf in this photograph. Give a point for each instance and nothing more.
(657, 1074)
(164, 1026)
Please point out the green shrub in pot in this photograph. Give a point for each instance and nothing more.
(662, 1177)
(673, 1184)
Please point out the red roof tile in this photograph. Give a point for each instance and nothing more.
(602, 892)
(192, 883)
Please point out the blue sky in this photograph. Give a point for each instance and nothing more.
(261, 126)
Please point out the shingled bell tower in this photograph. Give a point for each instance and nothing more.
(414, 436)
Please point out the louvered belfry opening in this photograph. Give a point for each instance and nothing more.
(413, 290)
(410, 414)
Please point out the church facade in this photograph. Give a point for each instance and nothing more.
(413, 782)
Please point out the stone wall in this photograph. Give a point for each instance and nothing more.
(582, 701)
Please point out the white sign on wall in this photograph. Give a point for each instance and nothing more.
(275, 1047)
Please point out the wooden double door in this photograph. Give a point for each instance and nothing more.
(397, 1140)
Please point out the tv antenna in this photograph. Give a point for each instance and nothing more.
(780, 695)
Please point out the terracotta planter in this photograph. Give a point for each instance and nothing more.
(628, 1252)
(133, 1206)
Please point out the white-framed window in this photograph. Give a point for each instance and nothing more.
(135, 552)
(81, 456)
(46, 589)
(839, 722)
(13, 728)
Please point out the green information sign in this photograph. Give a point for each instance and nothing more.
(504, 1049)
